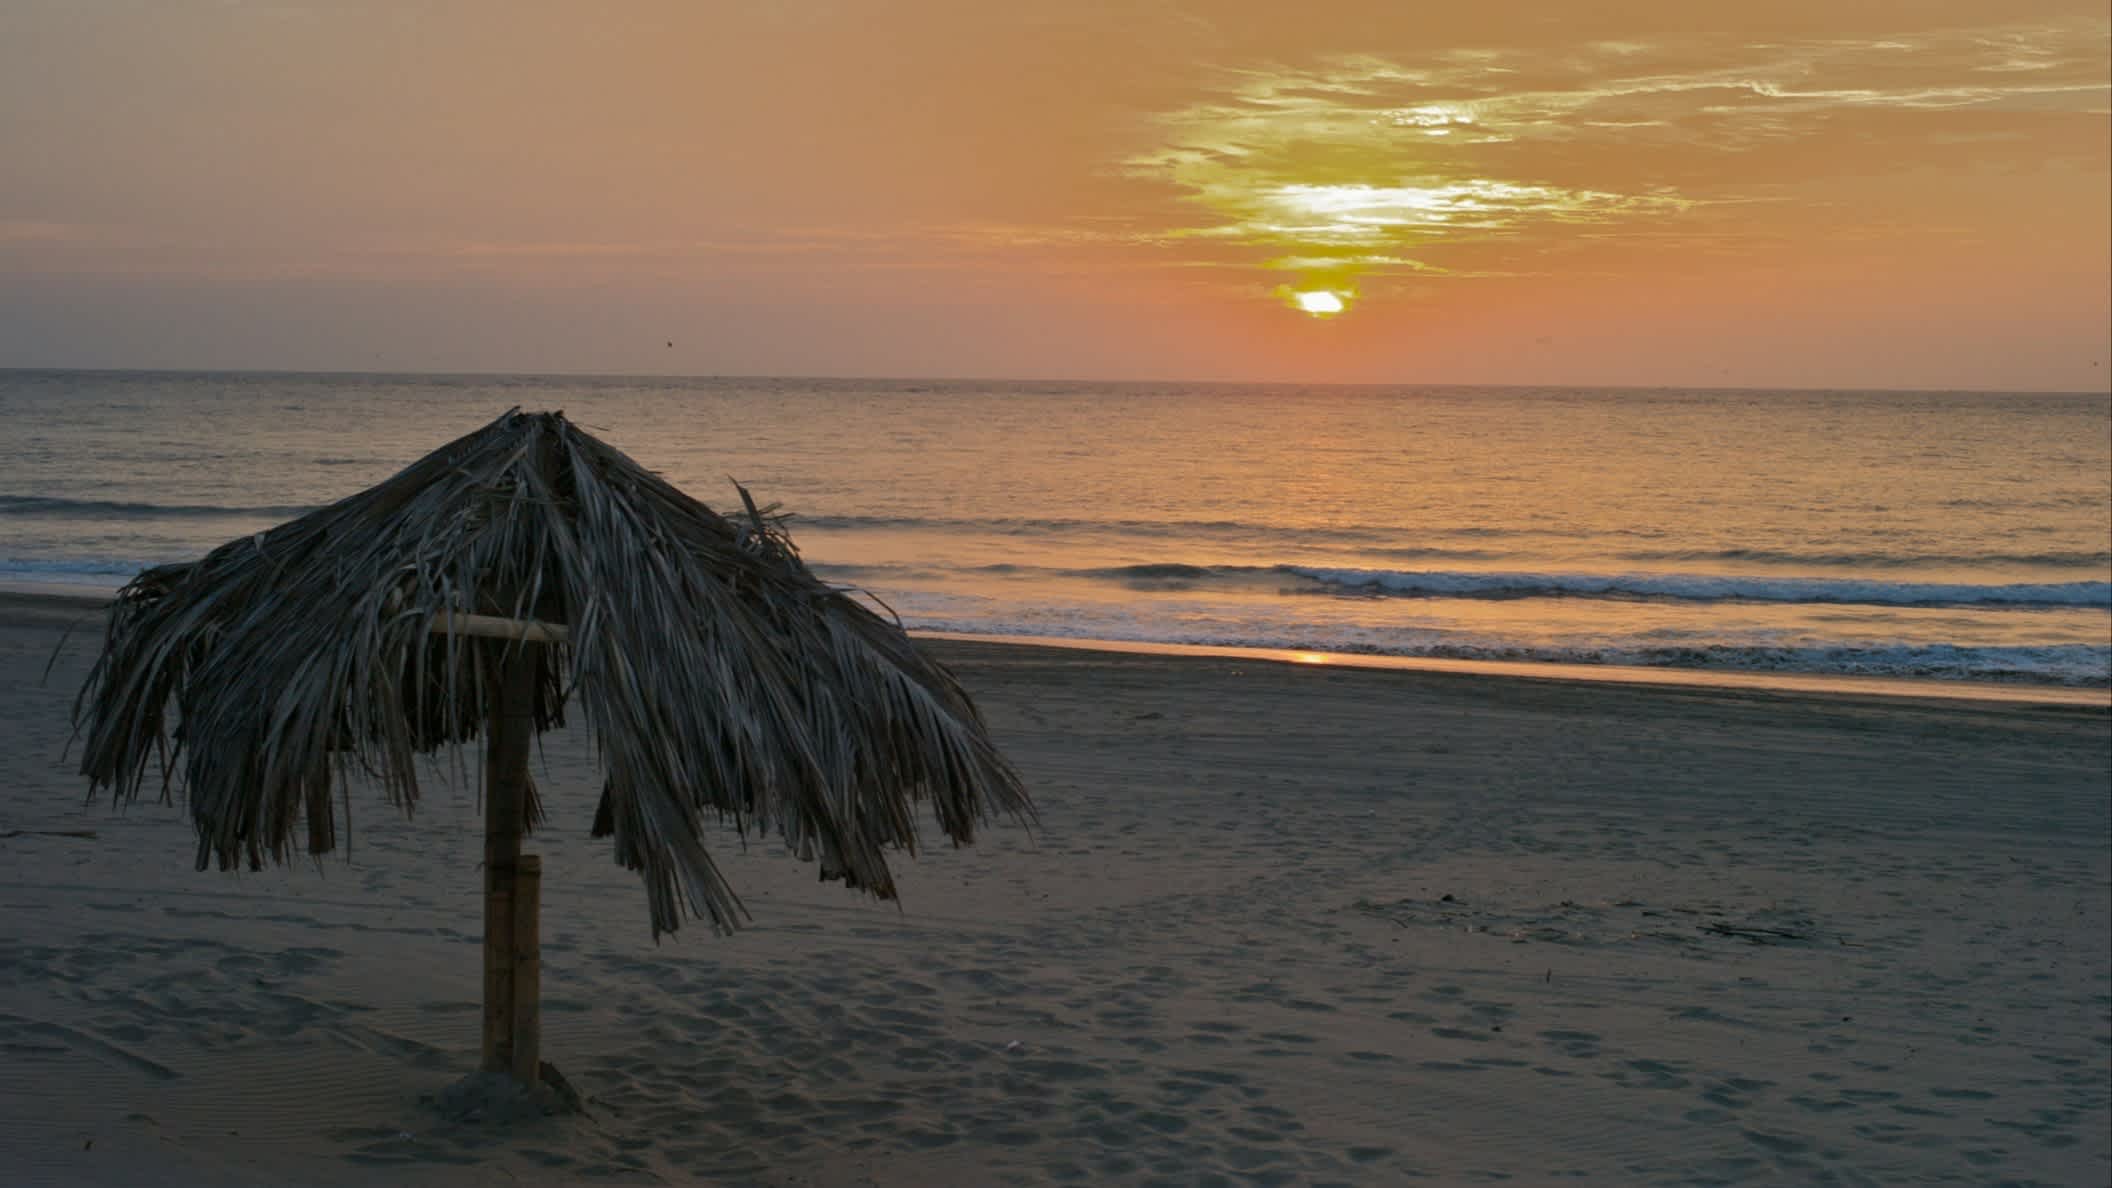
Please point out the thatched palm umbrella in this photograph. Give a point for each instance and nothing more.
(522, 568)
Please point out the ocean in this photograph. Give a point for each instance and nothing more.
(1938, 535)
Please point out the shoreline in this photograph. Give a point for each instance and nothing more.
(76, 602)
(1608, 674)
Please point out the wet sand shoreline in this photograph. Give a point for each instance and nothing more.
(77, 603)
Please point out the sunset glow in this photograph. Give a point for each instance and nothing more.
(1801, 194)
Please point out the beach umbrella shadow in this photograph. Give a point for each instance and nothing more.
(519, 572)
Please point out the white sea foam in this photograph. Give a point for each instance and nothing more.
(1707, 587)
(88, 573)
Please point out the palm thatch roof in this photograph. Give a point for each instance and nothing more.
(715, 672)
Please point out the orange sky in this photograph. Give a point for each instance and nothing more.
(1800, 194)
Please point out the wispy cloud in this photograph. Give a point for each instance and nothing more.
(1363, 167)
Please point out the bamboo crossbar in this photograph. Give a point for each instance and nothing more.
(494, 627)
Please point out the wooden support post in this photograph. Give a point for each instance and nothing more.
(506, 738)
(527, 969)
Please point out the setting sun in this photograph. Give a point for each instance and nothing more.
(1320, 303)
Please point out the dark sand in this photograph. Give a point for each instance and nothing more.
(1281, 925)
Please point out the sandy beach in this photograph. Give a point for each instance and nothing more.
(1279, 925)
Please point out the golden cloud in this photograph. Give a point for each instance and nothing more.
(1363, 167)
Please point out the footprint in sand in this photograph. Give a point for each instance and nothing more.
(1581, 1045)
(1648, 1074)
(1734, 1093)
(1779, 1144)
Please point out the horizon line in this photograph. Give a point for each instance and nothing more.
(966, 379)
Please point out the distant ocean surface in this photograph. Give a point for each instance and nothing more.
(1944, 535)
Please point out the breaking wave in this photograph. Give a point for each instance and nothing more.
(1704, 588)
(38, 505)
(1479, 584)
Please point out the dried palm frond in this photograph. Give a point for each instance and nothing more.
(715, 673)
